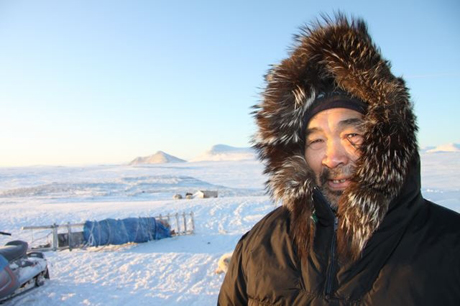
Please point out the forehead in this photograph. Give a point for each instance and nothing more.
(334, 117)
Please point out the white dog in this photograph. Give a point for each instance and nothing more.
(224, 261)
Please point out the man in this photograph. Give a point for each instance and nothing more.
(337, 135)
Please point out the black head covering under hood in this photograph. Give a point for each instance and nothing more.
(341, 54)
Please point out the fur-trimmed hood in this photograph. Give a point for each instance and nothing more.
(338, 52)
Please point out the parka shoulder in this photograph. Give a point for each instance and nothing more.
(276, 221)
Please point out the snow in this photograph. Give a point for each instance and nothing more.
(226, 153)
(173, 271)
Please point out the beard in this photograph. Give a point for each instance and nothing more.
(333, 196)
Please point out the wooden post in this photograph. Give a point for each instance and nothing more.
(185, 223)
(69, 232)
(193, 222)
(177, 223)
(55, 237)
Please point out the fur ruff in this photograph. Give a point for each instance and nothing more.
(338, 52)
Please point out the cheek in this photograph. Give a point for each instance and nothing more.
(314, 160)
(353, 153)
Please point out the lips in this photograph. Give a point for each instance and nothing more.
(336, 179)
(338, 183)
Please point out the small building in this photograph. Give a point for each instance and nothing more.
(204, 194)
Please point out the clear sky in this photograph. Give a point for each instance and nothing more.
(102, 82)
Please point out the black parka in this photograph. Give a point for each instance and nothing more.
(412, 259)
(385, 244)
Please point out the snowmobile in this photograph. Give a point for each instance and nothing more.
(20, 271)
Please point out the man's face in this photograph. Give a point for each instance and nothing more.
(332, 148)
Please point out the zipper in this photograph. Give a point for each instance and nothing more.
(331, 270)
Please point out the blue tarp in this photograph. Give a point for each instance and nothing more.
(121, 231)
(3, 262)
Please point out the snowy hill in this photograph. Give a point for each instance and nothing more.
(226, 153)
(451, 147)
(158, 158)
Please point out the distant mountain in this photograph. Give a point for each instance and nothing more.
(451, 147)
(158, 158)
(222, 152)
(426, 149)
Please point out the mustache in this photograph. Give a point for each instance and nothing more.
(329, 174)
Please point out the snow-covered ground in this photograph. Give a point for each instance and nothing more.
(173, 271)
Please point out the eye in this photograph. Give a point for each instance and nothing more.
(315, 144)
(355, 139)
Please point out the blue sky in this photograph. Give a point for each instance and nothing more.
(102, 82)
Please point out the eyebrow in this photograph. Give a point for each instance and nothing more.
(341, 125)
(350, 121)
(311, 131)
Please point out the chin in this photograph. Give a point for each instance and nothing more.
(332, 196)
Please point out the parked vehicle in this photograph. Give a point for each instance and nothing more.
(20, 270)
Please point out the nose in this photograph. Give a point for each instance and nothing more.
(336, 154)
